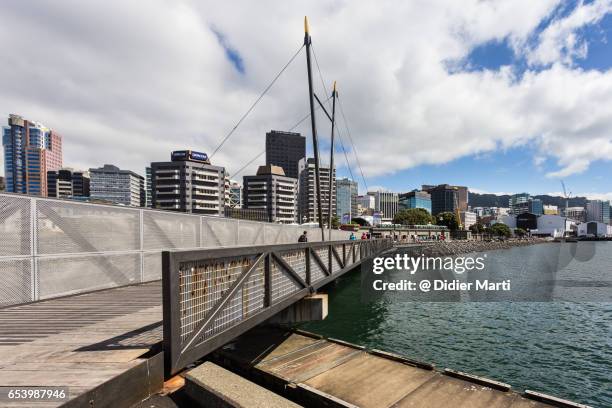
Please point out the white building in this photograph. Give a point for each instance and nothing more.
(468, 219)
(553, 225)
(109, 183)
(594, 229)
(365, 202)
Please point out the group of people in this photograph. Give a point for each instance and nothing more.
(365, 235)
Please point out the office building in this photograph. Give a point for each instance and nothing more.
(605, 212)
(536, 206)
(67, 183)
(286, 150)
(415, 199)
(519, 203)
(444, 197)
(598, 210)
(365, 204)
(387, 204)
(235, 195)
(468, 219)
(346, 198)
(578, 214)
(461, 193)
(271, 190)
(307, 193)
(113, 185)
(189, 183)
(30, 151)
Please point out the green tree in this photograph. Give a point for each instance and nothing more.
(335, 221)
(501, 230)
(477, 228)
(412, 216)
(520, 232)
(447, 219)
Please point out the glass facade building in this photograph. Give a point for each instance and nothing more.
(415, 199)
(30, 151)
(346, 198)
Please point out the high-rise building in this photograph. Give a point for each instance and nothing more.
(519, 203)
(235, 195)
(536, 206)
(271, 190)
(30, 150)
(148, 188)
(111, 184)
(365, 204)
(462, 194)
(387, 204)
(605, 212)
(67, 183)
(444, 198)
(189, 183)
(286, 150)
(346, 198)
(415, 199)
(308, 192)
(594, 210)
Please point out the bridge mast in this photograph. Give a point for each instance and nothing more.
(315, 143)
(331, 161)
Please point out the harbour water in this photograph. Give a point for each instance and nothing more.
(563, 348)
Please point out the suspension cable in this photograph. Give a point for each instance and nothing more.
(348, 165)
(291, 129)
(348, 132)
(256, 102)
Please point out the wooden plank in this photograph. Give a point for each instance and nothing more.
(370, 381)
(442, 390)
(309, 361)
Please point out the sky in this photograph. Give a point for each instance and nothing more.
(501, 96)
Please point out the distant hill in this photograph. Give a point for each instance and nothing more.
(492, 200)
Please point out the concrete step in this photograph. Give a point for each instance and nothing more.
(212, 386)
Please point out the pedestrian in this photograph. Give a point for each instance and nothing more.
(352, 236)
(303, 237)
(364, 236)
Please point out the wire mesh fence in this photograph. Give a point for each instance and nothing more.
(51, 248)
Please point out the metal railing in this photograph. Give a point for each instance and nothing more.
(51, 248)
(212, 296)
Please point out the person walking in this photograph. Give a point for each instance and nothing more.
(352, 236)
(303, 237)
(364, 236)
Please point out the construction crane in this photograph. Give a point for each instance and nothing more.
(457, 213)
(566, 195)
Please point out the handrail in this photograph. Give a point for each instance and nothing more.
(211, 296)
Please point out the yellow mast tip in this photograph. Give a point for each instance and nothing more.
(306, 24)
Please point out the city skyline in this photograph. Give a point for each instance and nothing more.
(511, 99)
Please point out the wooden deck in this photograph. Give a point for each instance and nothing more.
(82, 342)
(318, 368)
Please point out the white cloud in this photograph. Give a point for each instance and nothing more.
(127, 82)
(561, 41)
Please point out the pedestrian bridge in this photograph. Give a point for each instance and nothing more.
(81, 303)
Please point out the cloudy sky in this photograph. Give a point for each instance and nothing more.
(502, 96)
